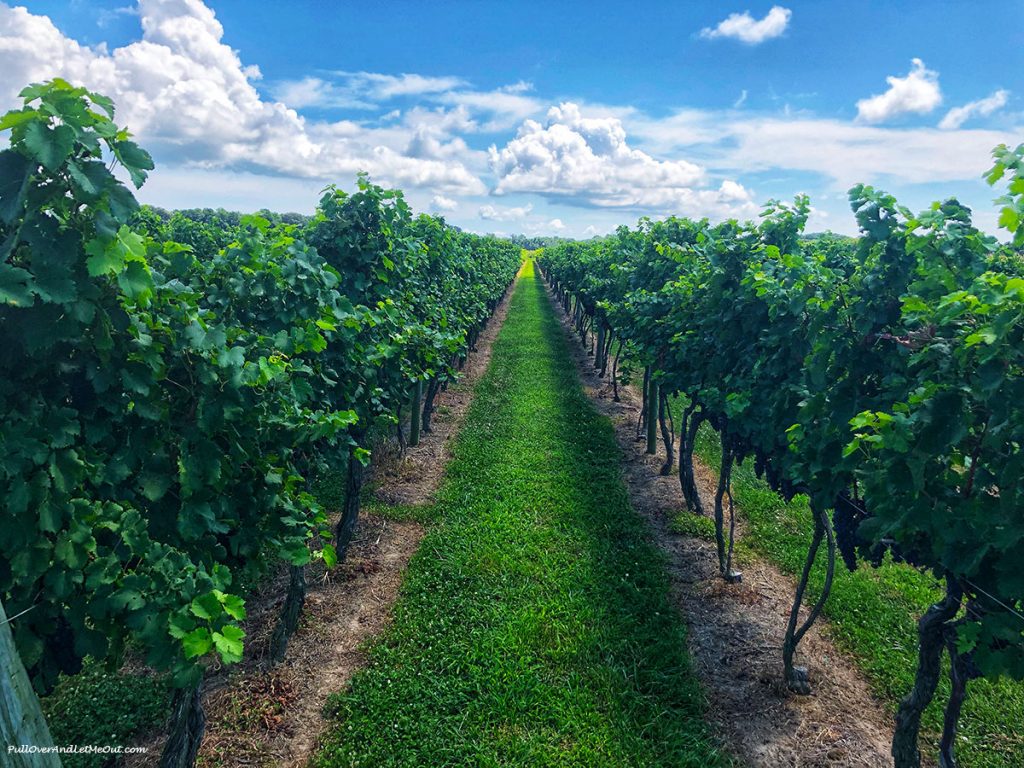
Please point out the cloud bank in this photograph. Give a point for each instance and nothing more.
(191, 99)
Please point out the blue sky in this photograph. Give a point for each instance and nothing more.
(545, 118)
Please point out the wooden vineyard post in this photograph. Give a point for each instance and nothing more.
(21, 718)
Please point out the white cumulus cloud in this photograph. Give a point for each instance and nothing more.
(588, 161)
(747, 29)
(442, 203)
(572, 154)
(493, 213)
(917, 93)
(957, 116)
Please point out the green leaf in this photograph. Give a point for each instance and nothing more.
(66, 551)
(296, 553)
(33, 92)
(50, 146)
(233, 605)
(229, 643)
(15, 172)
(135, 280)
(102, 258)
(967, 637)
(50, 517)
(1009, 218)
(110, 257)
(122, 202)
(91, 178)
(232, 358)
(178, 626)
(135, 160)
(995, 174)
(206, 606)
(132, 242)
(18, 496)
(103, 102)
(155, 485)
(196, 643)
(128, 599)
(15, 286)
(56, 281)
(982, 335)
(330, 555)
(17, 117)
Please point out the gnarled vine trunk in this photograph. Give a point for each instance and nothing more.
(416, 413)
(724, 545)
(350, 506)
(185, 734)
(606, 350)
(615, 374)
(641, 419)
(653, 403)
(667, 436)
(288, 621)
(428, 405)
(692, 419)
(796, 677)
(931, 634)
(961, 671)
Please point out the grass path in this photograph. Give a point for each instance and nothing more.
(534, 626)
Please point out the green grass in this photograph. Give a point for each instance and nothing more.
(534, 626)
(416, 513)
(695, 526)
(873, 614)
(103, 709)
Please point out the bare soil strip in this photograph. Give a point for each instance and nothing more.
(736, 631)
(258, 718)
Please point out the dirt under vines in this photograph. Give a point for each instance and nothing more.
(736, 630)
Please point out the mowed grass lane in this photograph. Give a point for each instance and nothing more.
(534, 626)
